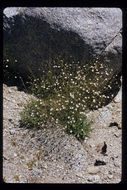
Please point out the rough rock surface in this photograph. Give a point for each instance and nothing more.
(47, 157)
(40, 34)
(63, 147)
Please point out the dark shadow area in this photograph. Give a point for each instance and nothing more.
(34, 43)
(115, 87)
(11, 78)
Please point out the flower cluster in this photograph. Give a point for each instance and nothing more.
(64, 91)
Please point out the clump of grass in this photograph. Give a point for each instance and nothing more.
(37, 114)
(59, 100)
(77, 125)
(30, 164)
(13, 143)
(16, 177)
(64, 92)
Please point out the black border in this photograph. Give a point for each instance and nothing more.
(124, 98)
(78, 3)
(61, 3)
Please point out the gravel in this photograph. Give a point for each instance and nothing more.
(52, 156)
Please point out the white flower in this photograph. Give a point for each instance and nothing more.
(106, 73)
(43, 86)
(63, 106)
(72, 95)
(56, 120)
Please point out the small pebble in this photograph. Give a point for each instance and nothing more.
(118, 97)
(116, 135)
(119, 126)
(13, 101)
(80, 175)
(92, 145)
(10, 120)
(9, 90)
(93, 178)
(12, 132)
(15, 155)
(116, 164)
(93, 170)
(110, 176)
(45, 166)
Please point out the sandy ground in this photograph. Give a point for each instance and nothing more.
(49, 157)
